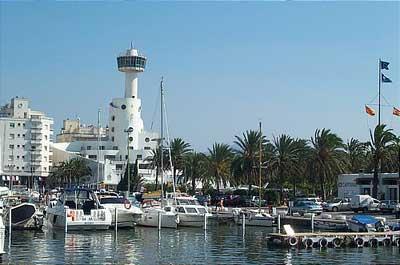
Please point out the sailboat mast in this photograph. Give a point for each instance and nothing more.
(161, 140)
(379, 91)
(259, 170)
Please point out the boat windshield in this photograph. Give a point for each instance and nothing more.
(112, 200)
(202, 210)
(191, 210)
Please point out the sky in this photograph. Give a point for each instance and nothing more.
(294, 66)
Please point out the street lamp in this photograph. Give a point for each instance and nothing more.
(130, 139)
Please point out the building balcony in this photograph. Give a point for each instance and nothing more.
(36, 130)
(35, 162)
(36, 141)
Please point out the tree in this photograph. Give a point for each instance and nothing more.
(246, 159)
(285, 162)
(219, 163)
(381, 139)
(195, 168)
(155, 162)
(70, 172)
(179, 148)
(135, 177)
(356, 155)
(327, 158)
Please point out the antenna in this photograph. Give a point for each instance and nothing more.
(131, 45)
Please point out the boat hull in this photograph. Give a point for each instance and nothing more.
(150, 217)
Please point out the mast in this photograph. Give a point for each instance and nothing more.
(98, 149)
(379, 91)
(161, 140)
(259, 171)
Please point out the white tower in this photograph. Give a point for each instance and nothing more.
(125, 113)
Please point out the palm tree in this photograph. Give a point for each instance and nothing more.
(179, 149)
(70, 172)
(246, 160)
(381, 139)
(155, 162)
(285, 162)
(327, 158)
(194, 168)
(356, 154)
(219, 163)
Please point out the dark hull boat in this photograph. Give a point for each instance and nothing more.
(25, 217)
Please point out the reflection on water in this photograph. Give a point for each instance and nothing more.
(218, 245)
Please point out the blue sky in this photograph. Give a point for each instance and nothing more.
(294, 66)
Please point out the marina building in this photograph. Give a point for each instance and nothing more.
(25, 138)
(354, 184)
(108, 150)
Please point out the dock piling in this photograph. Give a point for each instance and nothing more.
(159, 220)
(116, 219)
(243, 223)
(279, 223)
(66, 221)
(312, 223)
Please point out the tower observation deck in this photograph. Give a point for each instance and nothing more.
(131, 63)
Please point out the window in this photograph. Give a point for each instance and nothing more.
(118, 166)
(147, 139)
(139, 157)
(22, 168)
(12, 136)
(115, 147)
(17, 168)
(18, 135)
(45, 169)
(23, 157)
(130, 147)
(112, 129)
(111, 157)
(23, 146)
(23, 135)
(123, 106)
(112, 138)
(18, 146)
(45, 148)
(126, 156)
(34, 148)
(147, 148)
(10, 158)
(113, 118)
(25, 116)
(101, 147)
(45, 137)
(19, 124)
(17, 157)
(46, 126)
(45, 158)
(92, 156)
(11, 146)
(12, 125)
(88, 147)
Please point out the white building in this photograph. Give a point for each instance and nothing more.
(125, 125)
(354, 184)
(25, 137)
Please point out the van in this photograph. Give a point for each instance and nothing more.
(364, 203)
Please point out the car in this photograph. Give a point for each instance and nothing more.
(337, 205)
(303, 207)
(316, 200)
(389, 206)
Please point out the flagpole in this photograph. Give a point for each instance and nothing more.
(379, 92)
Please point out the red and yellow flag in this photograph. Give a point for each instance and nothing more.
(396, 111)
(369, 111)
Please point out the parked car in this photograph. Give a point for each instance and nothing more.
(364, 203)
(316, 200)
(337, 205)
(389, 206)
(303, 207)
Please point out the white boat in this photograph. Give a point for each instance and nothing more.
(327, 222)
(253, 218)
(152, 211)
(366, 223)
(127, 213)
(189, 211)
(79, 209)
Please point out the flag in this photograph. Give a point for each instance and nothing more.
(369, 111)
(386, 79)
(384, 65)
(396, 111)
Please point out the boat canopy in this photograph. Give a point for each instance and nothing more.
(365, 219)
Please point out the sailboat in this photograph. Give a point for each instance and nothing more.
(153, 211)
(255, 217)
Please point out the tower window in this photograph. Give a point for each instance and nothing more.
(123, 106)
(113, 118)
(112, 129)
(112, 139)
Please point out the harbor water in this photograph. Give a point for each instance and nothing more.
(224, 244)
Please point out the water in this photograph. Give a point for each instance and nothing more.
(219, 245)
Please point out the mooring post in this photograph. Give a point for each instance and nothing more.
(116, 219)
(2, 231)
(159, 220)
(279, 223)
(243, 223)
(66, 221)
(205, 221)
(312, 223)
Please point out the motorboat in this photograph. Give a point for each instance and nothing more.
(78, 209)
(253, 218)
(24, 216)
(328, 222)
(189, 210)
(127, 213)
(152, 212)
(366, 223)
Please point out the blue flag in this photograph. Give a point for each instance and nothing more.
(384, 65)
(386, 79)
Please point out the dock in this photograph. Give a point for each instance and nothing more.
(334, 239)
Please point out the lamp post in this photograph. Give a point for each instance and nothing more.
(128, 131)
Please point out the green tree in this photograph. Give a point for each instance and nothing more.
(195, 168)
(179, 149)
(219, 163)
(381, 140)
(246, 162)
(327, 159)
(136, 179)
(356, 155)
(73, 171)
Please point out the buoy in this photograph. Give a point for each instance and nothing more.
(373, 242)
(386, 242)
(308, 243)
(323, 243)
(293, 241)
(359, 242)
(337, 242)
